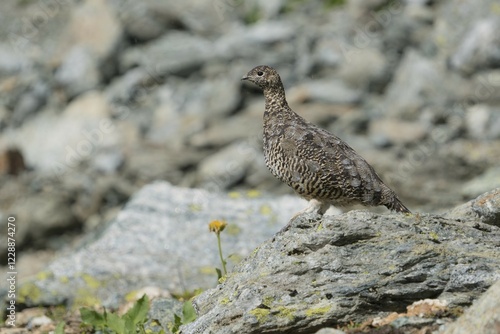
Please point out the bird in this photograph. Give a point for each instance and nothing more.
(315, 163)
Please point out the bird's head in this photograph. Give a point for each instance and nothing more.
(264, 76)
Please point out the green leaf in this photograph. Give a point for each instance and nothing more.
(138, 313)
(174, 328)
(116, 323)
(219, 273)
(59, 328)
(92, 317)
(188, 312)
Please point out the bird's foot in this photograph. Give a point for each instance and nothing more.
(315, 206)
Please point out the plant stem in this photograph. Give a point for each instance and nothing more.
(220, 254)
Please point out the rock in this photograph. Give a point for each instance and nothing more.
(249, 42)
(163, 311)
(176, 118)
(487, 207)
(78, 72)
(12, 62)
(267, 9)
(483, 122)
(222, 96)
(94, 27)
(360, 8)
(422, 312)
(358, 73)
(39, 321)
(397, 131)
(482, 317)
(324, 272)
(174, 53)
(480, 48)
(267, 32)
(154, 235)
(225, 131)
(159, 162)
(328, 52)
(329, 91)
(32, 99)
(454, 29)
(329, 331)
(108, 160)
(415, 77)
(202, 17)
(43, 215)
(225, 168)
(144, 21)
(82, 130)
(133, 85)
(482, 183)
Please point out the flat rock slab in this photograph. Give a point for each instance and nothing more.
(160, 239)
(337, 269)
(482, 317)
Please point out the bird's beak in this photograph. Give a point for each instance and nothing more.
(245, 77)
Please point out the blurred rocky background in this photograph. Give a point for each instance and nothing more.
(100, 97)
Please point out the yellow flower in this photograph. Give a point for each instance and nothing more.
(217, 226)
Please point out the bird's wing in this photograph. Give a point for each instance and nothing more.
(339, 165)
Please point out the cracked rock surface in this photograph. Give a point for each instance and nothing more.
(329, 271)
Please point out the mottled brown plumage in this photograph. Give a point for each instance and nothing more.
(318, 165)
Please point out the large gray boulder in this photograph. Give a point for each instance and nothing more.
(482, 317)
(337, 269)
(160, 239)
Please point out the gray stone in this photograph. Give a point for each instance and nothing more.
(402, 322)
(160, 239)
(347, 268)
(30, 102)
(330, 91)
(487, 207)
(78, 72)
(70, 137)
(267, 8)
(456, 19)
(267, 32)
(329, 331)
(415, 77)
(397, 131)
(480, 48)
(231, 129)
(483, 122)
(174, 53)
(222, 96)
(482, 183)
(40, 215)
(225, 168)
(163, 311)
(257, 40)
(12, 62)
(482, 317)
(93, 25)
(145, 20)
(357, 72)
(131, 86)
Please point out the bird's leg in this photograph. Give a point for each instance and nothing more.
(315, 206)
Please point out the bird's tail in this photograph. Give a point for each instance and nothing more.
(397, 206)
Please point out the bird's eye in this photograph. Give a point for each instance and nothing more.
(260, 73)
